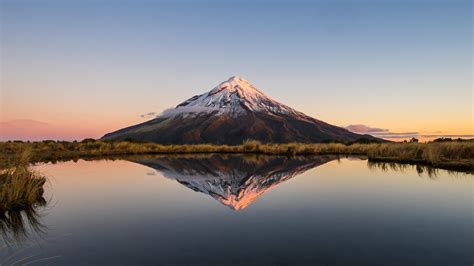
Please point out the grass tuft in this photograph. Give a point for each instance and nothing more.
(20, 186)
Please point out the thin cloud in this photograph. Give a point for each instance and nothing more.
(25, 129)
(431, 136)
(24, 123)
(387, 134)
(396, 133)
(148, 115)
(365, 129)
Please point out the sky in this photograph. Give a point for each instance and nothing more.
(76, 69)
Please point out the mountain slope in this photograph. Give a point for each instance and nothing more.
(230, 113)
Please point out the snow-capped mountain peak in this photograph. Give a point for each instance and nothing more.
(230, 113)
(236, 84)
(235, 96)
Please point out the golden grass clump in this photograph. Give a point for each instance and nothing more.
(20, 186)
(251, 145)
(21, 196)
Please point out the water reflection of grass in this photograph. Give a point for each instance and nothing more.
(430, 171)
(21, 195)
(14, 223)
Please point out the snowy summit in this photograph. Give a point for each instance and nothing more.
(235, 97)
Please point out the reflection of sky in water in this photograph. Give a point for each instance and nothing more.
(114, 212)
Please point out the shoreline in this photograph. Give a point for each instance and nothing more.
(458, 156)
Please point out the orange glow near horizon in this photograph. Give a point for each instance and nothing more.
(78, 116)
(27, 129)
(77, 126)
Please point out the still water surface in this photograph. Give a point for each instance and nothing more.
(236, 210)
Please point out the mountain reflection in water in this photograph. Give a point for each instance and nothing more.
(233, 180)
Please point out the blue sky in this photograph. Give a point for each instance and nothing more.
(401, 65)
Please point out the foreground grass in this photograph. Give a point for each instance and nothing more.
(20, 187)
(21, 195)
(449, 155)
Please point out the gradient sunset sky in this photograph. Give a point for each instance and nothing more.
(76, 69)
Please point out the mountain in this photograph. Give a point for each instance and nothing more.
(234, 180)
(230, 113)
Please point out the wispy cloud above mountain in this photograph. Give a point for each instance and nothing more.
(365, 129)
(148, 115)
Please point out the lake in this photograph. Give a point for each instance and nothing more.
(244, 210)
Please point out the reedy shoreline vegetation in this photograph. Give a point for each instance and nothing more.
(21, 197)
(21, 188)
(454, 155)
